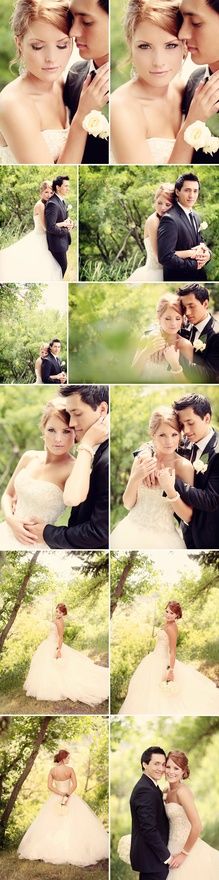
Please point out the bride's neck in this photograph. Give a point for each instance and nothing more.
(170, 338)
(167, 460)
(38, 86)
(150, 92)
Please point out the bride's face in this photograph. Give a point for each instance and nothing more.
(166, 439)
(173, 773)
(59, 438)
(45, 51)
(156, 54)
(162, 204)
(169, 615)
(46, 193)
(171, 321)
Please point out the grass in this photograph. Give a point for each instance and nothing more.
(18, 704)
(72, 257)
(12, 868)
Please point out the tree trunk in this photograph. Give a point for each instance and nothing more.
(19, 599)
(88, 775)
(40, 738)
(119, 590)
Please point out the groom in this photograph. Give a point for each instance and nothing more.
(150, 827)
(200, 29)
(58, 224)
(87, 527)
(179, 229)
(202, 449)
(51, 369)
(202, 330)
(90, 28)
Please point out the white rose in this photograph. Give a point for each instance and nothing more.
(212, 146)
(197, 135)
(69, 207)
(95, 123)
(203, 225)
(199, 466)
(124, 848)
(199, 345)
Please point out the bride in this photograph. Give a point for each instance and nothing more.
(29, 258)
(66, 830)
(33, 117)
(192, 857)
(43, 480)
(150, 522)
(153, 271)
(58, 672)
(161, 348)
(38, 363)
(147, 124)
(162, 684)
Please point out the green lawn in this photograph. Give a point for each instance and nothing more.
(16, 703)
(11, 868)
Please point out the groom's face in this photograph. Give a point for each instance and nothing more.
(194, 427)
(90, 29)
(200, 29)
(82, 416)
(156, 767)
(194, 310)
(188, 194)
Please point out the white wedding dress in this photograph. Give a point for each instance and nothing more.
(55, 140)
(192, 694)
(39, 380)
(35, 498)
(29, 259)
(202, 861)
(150, 524)
(69, 834)
(160, 148)
(73, 676)
(151, 271)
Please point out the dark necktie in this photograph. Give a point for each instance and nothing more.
(195, 449)
(192, 221)
(192, 334)
(92, 74)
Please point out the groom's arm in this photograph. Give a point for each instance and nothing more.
(167, 245)
(202, 499)
(46, 373)
(202, 369)
(51, 216)
(145, 806)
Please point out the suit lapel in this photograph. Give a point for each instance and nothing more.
(188, 225)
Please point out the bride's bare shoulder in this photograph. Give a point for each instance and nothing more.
(123, 99)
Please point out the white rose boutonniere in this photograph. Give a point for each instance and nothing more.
(200, 464)
(199, 345)
(199, 136)
(95, 123)
(203, 226)
(124, 848)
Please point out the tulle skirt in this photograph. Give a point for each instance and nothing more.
(29, 259)
(69, 834)
(73, 676)
(191, 693)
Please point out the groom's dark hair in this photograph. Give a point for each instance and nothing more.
(214, 4)
(91, 394)
(54, 340)
(200, 292)
(187, 176)
(200, 404)
(152, 750)
(59, 181)
(104, 5)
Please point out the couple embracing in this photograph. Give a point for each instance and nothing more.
(174, 479)
(165, 835)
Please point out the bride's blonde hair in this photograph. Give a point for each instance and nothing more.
(54, 408)
(160, 12)
(164, 414)
(169, 300)
(51, 11)
(165, 189)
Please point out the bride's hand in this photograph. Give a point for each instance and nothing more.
(95, 93)
(98, 432)
(172, 357)
(166, 480)
(20, 532)
(178, 860)
(145, 470)
(205, 101)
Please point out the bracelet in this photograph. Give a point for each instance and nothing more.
(86, 448)
(184, 851)
(175, 498)
(177, 371)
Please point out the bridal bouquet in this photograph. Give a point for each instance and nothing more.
(199, 136)
(95, 123)
(123, 848)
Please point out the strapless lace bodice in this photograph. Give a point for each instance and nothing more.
(162, 645)
(179, 827)
(55, 140)
(62, 787)
(152, 508)
(37, 498)
(160, 149)
(38, 228)
(38, 377)
(152, 261)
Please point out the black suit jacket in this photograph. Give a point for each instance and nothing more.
(96, 150)
(198, 158)
(205, 366)
(50, 367)
(150, 829)
(175, 233)
(88, 527)
(203, 530)
(58, 239)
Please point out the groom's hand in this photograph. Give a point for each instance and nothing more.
(36, 528)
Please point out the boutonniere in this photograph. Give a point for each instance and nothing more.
(200, 464)
(200, 344)
(95, 123)
(199, 136)
(203, 226)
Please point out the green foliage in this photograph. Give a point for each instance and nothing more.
(140, 611)
(13, 869)
(7, 44)
(114, 203)
(120, 55)
(198, 737)
(106, 323)
(129, 427)
(24, 324)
